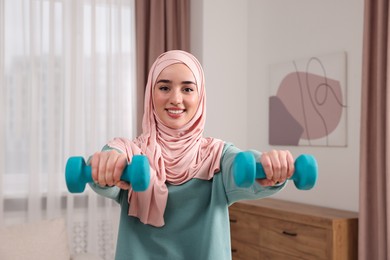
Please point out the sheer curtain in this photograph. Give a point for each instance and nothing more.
(67, 77)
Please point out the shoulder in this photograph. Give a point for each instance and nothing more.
(229, 150)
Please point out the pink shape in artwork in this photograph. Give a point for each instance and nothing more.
(314, 101)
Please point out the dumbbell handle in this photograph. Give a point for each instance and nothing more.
(78, 174)
(246, 169)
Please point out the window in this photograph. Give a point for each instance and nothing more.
(69, 85)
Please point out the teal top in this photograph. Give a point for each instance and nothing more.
(196, 218)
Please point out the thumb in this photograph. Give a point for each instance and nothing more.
(123, 185)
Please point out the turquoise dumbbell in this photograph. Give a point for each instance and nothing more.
(246, 169)
(78, 174)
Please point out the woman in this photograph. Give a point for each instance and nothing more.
(184, 212)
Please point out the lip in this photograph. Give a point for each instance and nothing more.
(175, 112)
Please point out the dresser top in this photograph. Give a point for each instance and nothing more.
(276, 208)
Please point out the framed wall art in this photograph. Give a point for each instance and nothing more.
(308, 101)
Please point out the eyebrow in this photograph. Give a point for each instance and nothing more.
(170, 81)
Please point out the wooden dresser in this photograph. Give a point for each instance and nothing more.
(276, 229)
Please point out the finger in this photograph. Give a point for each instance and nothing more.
(123, 185)
(276, 165)
(284, 166)
(102, 168)
(267, 165)
(95, 166)
(110, 168)
(120, 165)
(265, 182)
(290, 162)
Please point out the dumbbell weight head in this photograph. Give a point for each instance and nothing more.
(244, 169)
(306, 172)
(77, 174)
(138, 173)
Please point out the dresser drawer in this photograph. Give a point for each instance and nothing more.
(265, 254)
(241, 251)
(299, 240)
(303, 241)
(244, 251)
(276, 229)
(245, 227)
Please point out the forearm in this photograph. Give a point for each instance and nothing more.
(235, 193)
(108, 192)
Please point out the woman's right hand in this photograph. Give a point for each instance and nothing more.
(107, 168)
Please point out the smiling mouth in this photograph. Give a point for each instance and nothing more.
(175, 111)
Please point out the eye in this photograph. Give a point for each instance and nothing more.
(163, 88)
(188, 89)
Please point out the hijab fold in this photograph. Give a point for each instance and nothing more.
(175, 155)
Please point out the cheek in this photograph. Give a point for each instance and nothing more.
(195, 101)
(158, 102)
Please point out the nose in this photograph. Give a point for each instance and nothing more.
(176, 97)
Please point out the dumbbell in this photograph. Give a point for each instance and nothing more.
(246, 169)
(78, 174)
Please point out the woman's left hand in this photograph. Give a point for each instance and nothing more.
(278, 167)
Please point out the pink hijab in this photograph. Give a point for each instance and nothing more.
(175, 155)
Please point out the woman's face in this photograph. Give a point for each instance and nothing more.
(175, 96)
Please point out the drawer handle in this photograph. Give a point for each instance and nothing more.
(234, 250)
(233, 220)
(292, 234)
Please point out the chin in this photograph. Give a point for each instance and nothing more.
(175, 127)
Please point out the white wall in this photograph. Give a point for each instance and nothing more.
(219, 41)
(237, 41)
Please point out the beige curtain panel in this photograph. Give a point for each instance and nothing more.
(161, 25)
(374, 205)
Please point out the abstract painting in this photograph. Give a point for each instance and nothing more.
(308, 101)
